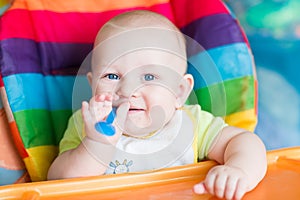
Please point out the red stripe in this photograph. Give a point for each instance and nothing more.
(48, 26)
(186, 11)
(1, 81)
(17, 139)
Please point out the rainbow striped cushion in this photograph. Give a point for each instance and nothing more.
(43, 44)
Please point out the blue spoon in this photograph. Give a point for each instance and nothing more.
(106, 127)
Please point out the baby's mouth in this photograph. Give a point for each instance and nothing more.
(136, 109)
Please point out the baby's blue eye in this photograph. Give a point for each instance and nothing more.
(149, 77)
(112, 76)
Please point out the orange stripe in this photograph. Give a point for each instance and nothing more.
(83, 6)
(9, 155)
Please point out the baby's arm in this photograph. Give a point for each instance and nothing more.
(93, 155)
(243, 158)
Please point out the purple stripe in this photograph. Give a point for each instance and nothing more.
(48, 58)
(213, 31)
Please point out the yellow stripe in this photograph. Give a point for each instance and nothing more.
(82, 5)
(245, 119)
(39, 161)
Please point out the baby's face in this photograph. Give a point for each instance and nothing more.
(151, 81)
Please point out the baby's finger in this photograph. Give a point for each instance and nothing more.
(200, 188)
(107, 103)
(100, 106)
(85, 112)
(104, 97)
(99, 97)
(94, 106)
(220, 184)
(230, 187)
(210, 182)
(241, 189)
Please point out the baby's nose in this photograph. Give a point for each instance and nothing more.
(128, 87)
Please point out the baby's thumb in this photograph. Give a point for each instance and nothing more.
(200, 188)
(121, 115)
(85, 111)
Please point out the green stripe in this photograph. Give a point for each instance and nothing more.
(61, 119)
(41, 127)
(225, 98)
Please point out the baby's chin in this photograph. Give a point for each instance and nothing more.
(139, 124)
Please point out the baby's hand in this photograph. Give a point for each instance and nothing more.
(224, 182)
(97, 110)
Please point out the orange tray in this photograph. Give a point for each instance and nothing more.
(281, 182)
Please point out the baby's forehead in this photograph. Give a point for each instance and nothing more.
(147, 36)
(136, 31)
(139, 58)
(138, 19)
(138, 41)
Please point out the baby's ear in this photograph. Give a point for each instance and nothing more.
(185, 88)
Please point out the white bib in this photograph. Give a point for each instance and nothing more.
(170, 146)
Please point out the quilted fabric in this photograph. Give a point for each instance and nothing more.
(43, 43)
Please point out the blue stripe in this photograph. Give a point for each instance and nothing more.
(220, 64)
(35, 91)
(10, 176)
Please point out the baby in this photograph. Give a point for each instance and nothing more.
(137, 119)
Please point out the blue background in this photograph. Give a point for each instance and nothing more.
(273, 30)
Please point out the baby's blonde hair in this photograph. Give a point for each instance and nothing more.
(166, 36)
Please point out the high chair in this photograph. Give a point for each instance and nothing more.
(44, 42)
